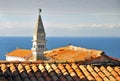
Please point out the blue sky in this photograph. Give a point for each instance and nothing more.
(75, 18)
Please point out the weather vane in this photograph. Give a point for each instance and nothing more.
(40, 10)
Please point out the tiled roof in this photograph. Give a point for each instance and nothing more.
(20, 53)
(45, 71)
(74, 53)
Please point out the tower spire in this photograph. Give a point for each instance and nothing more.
(39, 25)
(39, 39)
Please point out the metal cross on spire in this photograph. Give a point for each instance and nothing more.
(40, 11)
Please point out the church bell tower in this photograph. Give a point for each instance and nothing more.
(39, 39)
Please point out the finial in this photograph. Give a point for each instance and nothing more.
(40, 11)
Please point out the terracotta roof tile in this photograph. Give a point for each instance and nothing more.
(103, 69)
(40, 79)
(65, 73)
(93, 73)
(20, 68)
(61, 67)
(117, 69)
(74, 66)
(97, 69)
(109, 68)
(2, 77)
(106, 79)
(30, 73)
(35, 68)
(62, 78)
(78, 72)
(73, 53)
(15, 73)
(20, 53)
(101, 74)
(90, 68)
(117, 77)
(68, 67)
(98, 78)
(112, 78)
(56, 69)
(112, 71)
(51, 72)
(41, 67)
(90, 78)
(82, 68)
(86, 73)
(72, 72)
(47, 78)
(39, 71)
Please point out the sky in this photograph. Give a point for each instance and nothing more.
(61, 18)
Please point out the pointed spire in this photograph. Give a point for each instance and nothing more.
(39, 25)
(39, 39)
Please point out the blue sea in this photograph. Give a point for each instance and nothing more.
(110, 45)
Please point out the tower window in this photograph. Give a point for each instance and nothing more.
(39, 46)
(33, 46)
(43, 46)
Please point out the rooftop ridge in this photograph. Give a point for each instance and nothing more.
(61, 61)
(72, 47)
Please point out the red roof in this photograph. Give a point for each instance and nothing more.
(20, 53)
(43, 71)
(73, 53)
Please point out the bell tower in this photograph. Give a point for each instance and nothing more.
(39, 39)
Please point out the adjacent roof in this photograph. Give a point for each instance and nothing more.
(20, 53)
(73, 53)
(44, 71)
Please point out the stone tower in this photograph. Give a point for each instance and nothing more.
(39, 39)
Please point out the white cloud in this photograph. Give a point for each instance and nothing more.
(60, 29)
(99, 25)
(16, 29)
(82, 25)
(83, 29)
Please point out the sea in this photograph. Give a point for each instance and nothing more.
(110, 45)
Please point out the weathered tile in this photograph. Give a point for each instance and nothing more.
(101, 74)
(112, 78)
(82, 68)
(96, 69)
(98, 78)
(117, 77)
(90, 78)
(30, 71)
(62, 78)
(90, 69)
(106, 79)
(110, 69)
